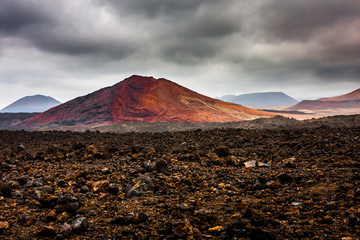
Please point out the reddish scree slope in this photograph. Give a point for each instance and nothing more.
(144, 99)
(354, 95)
(350, 100)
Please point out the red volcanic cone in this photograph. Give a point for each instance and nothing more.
(144, 99)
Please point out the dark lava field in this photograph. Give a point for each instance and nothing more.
(301, 183)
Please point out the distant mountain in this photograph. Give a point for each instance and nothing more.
(36, 103)
(144, 99)
(227, 98)
(349, 100)
(261, 99)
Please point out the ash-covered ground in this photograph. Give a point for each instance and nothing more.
(299, 183)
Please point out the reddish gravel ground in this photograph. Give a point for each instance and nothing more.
(213, 184)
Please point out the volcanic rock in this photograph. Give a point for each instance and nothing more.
(46, 231)
(79, 224)
(65, 229)
(222, 151)
(4, 225)
(5, 189)
(317, 198)
(159, 165)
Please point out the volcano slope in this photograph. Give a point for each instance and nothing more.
(304, 183)
(349, 100)
(143, 99)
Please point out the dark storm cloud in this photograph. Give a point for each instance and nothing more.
(18, 15)
(193, 29)
(156, 8)
(282, 41)
(300, 19)
(334, 73)
(50, 28)
(67, 43)
(305, 37)
(189, 53)
(199, 37)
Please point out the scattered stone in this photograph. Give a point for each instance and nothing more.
(98, 155)
(79, 224)
(33, 184)
(46, 231)
(222, 151)
(114, 189)
(101, 186)
(84, 189)
(23, 179)
(296, 204)
(285, 178)
(254, 164)
(141, 185)
(5, 189)
(105, 170)
(64, 216)
(289, 162)
(52, 149)
(183, 229)
(44, 189)
(132, 218)
(4, 225)
(216, 229)
(273, 184)
(14, 185)
(133, 193)
(353, 220)
(67, 205)
(65, 229)
(61, 183)
(159, 165)
(261, 234)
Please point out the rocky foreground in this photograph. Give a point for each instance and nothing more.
(214, 184)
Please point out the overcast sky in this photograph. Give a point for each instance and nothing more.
(60, 48)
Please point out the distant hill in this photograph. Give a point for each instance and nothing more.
(36, 103)
(143, 99)
(349, 100)
(354, 95)
(12, 120)
(261, 99)
(227, 98)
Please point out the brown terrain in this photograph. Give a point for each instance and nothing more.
(347, 101)
(301, 182)
(13, 120)
(143, 99)
(236, 173)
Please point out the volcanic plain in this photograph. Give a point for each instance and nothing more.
(290, 183)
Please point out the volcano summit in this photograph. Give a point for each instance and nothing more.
(144, 99)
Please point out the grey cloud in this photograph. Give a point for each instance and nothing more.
(51, 29)
(156, 8)
(188, 53)
(202, 40)
(67, 43)
(349, 72)
(210, 25)
(286, 71)
(16, 15)
(300, 19)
